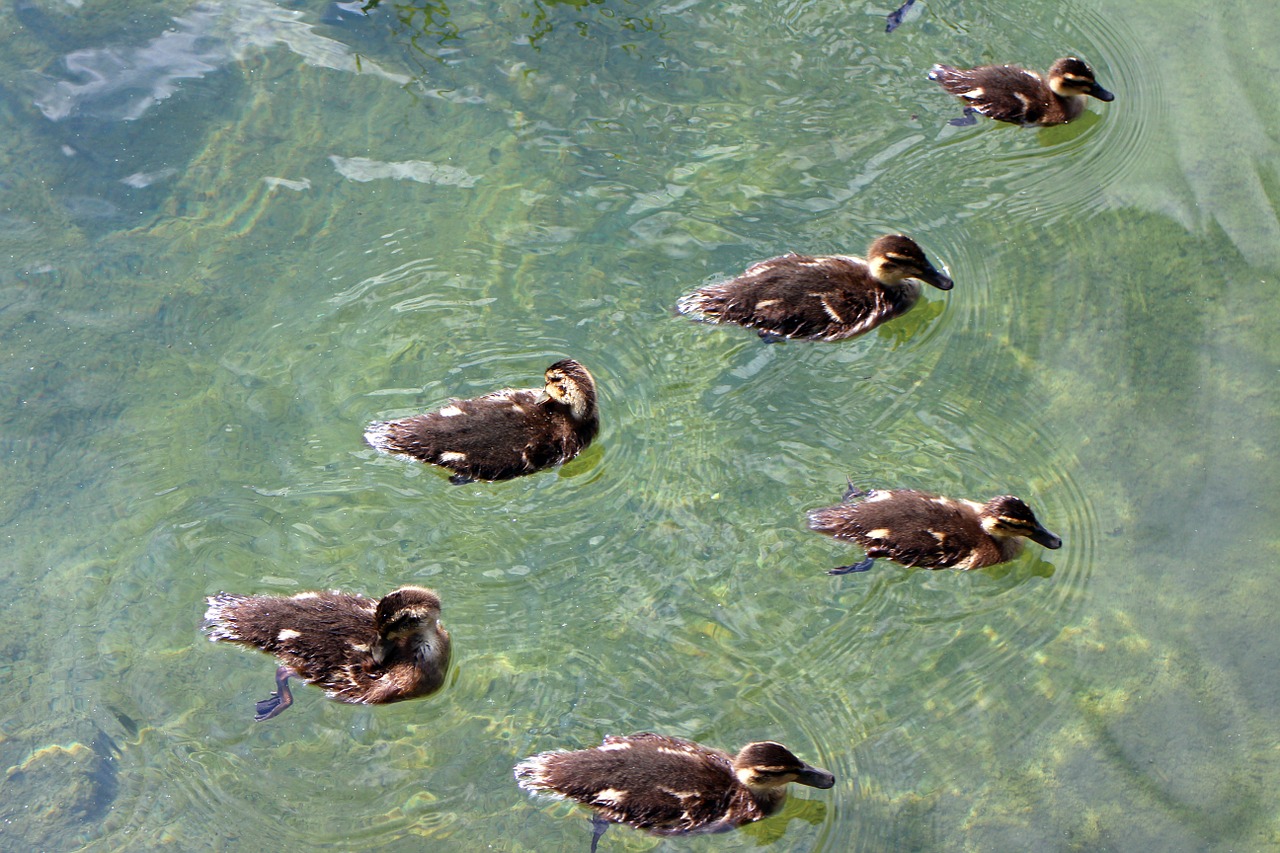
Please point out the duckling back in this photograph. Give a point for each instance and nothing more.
(500, 435)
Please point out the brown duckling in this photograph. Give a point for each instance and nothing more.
(820, 298)
(927, 531)
(670, 786)
(358, 649)
(501, 435)
(1016, 95)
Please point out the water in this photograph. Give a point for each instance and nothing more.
(238, 231)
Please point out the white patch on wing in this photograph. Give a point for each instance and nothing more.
(878, 533)
(359, 647)
(610, 796)
(452, 456)
(615, 745)
(974, 93)
(877, 495)
(287, 634)
(764, 303)
(679, 795)
(450, 411)
(826, 306)
(305, 595)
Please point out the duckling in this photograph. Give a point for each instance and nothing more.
(670, 786)
(820, 298)
(1016, 95)
(927, 531)
(503, 434)
(359, 650)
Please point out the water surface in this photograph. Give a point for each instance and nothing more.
(237, 231)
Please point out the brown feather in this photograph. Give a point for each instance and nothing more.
(343, 643)
(666, 785)
(927, 531)
(1013, 94)
(500, 435)
(819, 297)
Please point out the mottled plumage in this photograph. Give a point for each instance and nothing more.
(670, 786)
(500, 435)
(823, 297)
(1016, 95)
(358, 649)
(927, 531)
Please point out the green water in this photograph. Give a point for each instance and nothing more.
(235, 232)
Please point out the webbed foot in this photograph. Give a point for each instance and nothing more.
(461, 479)
(772, 337)
(856, 567)
(852, 492)
(278, 701)
(896, 16)
(598, 827)
(969, 118)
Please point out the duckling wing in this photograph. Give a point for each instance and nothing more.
(798, 296)
(1002, 92)
(661, 785)
(315, 633)
(494, 437)
(909, 527)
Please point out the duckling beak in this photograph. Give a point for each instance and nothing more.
(542, 397)
(1043, 537)
(815, 778)
(1100, 93)
(940, 280)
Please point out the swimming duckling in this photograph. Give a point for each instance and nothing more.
(670, 786)
(820, 298)
(501, 435)
(358, 649)
(927, 531)
(1013, 94)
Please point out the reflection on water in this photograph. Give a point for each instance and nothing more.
(240, 231)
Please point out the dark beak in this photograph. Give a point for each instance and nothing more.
(815, 778)
(937, 279)
(1043, 537)
(1100, 93)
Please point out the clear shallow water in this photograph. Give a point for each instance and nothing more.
(238, 232)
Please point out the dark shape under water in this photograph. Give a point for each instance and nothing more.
(896, 16)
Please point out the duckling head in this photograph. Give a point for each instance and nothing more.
(1071, 77)
(767, 765)
(1006, 516)
(408, 616)
(894, 258)
(571, 384)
